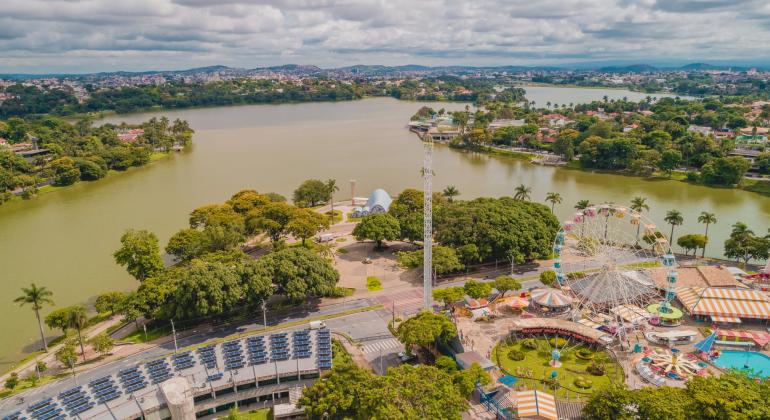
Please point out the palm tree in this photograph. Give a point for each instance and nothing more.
(639, 204)
(37, 297)
(707, 218)
(582, 205)
(77, 318)
(553, 198)
(450, 192)
(331, 186)
(674, 218)
(522, 192)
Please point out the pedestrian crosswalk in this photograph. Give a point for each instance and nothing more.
(383, 345)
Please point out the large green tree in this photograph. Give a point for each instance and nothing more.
(77, 318)
(407, 208)
(311, 193)
(36, 297)
(707, 219)
(378, 228)
(425, 329)
(139, 253)
(299, 273)
(205, 289)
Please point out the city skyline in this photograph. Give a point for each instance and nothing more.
(51, 36)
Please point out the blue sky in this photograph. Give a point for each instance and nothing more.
(41, 36)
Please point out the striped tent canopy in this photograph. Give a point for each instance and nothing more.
(551, 298)
(724, 302)
(536, 405)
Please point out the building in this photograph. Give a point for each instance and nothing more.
(700, 276)
(724, 304)
(706, 131)
(378, 202)
(496, 124)
(259, 370)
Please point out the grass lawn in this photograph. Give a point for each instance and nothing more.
(759, 187)
(535, 365)
(373, 284)
(350, 218)
(337, 216)
(263, 414)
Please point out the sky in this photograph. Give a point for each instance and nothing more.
(80, 36)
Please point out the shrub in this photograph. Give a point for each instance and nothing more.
(342, 251)
(529, 343)
(373, 284)
(583, 383)
(576, 275)
(548, 278)
(516, 355)
(595, 368)
(557, 342)
(585, 354)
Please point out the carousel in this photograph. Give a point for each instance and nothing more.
(673, 364)
(550, 301)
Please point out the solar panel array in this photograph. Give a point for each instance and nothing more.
(232, 351)
(183, 361)
(301, 345)
(256, 349)
(15, 416)
(75, 400)
(158, 370)
(47, 409)
(324, 348)
(104, 389)
(207, 356)
(132, 379)
(279, 346)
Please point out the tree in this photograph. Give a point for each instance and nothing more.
(12, 381)
(466, 379)
(504, 284)
(554, 198)
(299, 273)
(331, 187)
(425, 329)
(407, 208)
(67, 355)
(311, 193)
(674, 218)
(744, 245)
(205, 289)
(692, 242)
(65, 171)
(273, 219)
(421, 392)
(502, 229)
(450, 192)
(522, 192)
(216, 215)
(187, 244)
(477, 289)
(445, 259)
(57, 319)
(109, 302)
(582, 205)
(139, 253)
(449, 295)
(77, 318)
(245, 200)
(377, 227)
(707, 219)
(36, 297)
(548, 278)
(639, 205)
(725, 171)
(669, 160)
(305, 223)
(102, 343)
(609, 403)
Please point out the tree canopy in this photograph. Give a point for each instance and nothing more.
(139, 253)
(378, 228)
(425, 329)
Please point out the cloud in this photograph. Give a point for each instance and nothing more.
(98, 35)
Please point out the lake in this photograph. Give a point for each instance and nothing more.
(64, 239)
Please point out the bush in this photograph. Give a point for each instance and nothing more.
(548, 278)
(373, 284)
(342, 251)
(583, 383)
(576, 275)
(595, 368)
(529, 343)
(516, 355)
(557, 342)
(585, 354)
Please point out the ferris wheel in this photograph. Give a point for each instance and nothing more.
(603, 257)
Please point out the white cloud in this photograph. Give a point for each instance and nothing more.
(96, 35)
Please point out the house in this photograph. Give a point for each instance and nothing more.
(378, 202)
(496, 124)
(630, 127)
(129, 135)
(706, 131)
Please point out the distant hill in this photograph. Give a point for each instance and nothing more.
(633, 68)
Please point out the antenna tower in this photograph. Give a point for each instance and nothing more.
(427, 222)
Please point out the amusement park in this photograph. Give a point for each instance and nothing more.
(620, 310)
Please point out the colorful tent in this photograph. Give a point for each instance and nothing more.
(550, 298)
(707, 343)
(536, 405)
